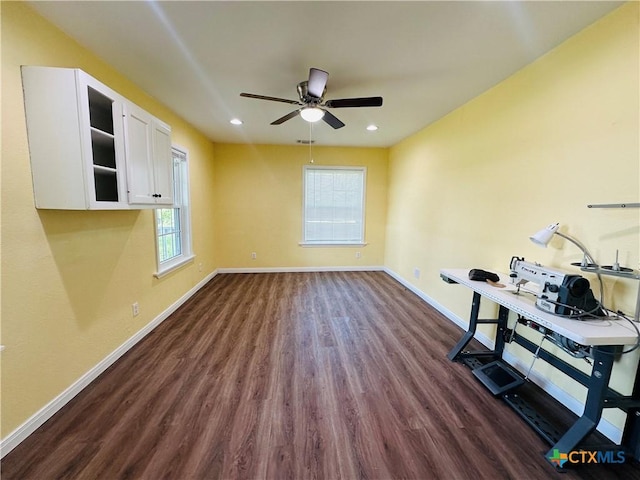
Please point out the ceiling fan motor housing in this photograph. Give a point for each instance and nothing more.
(305, 97)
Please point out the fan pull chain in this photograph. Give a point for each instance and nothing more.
(310, 143)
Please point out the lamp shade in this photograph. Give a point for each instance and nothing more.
(543, 237)
(312, 114)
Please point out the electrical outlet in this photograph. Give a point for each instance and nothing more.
(200, 267)
(254, 255)
(416, 272)
(135, 308)
(357, 254)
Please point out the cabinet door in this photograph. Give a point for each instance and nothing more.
(54, 131)
(162, 163)
(148, 153)
(138, 151)
(75, 140)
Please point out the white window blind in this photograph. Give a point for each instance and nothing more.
(333, 205)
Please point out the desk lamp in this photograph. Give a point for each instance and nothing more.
(544, 236)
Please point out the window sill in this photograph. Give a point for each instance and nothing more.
(171, 266)
(333, 244)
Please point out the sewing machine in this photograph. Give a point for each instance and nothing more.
(560, 293)
(599, 342)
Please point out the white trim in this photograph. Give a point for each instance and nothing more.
(300, 269)
(171, 266)
(482, 338)
(12, 440)
(182, 201)
(332, 244)
(576, 406)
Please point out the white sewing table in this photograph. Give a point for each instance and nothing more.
(605, 337)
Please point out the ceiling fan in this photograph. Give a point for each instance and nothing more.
(312, 108)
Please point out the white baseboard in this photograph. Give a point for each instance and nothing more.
(482, 338)
(576, 406)
(12, 440)
(300, 269)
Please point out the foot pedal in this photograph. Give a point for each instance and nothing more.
(498, 377)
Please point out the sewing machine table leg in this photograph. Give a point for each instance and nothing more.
(473, 323)
(598, 387)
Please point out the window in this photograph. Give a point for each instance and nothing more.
(173, 226)
(333, 205)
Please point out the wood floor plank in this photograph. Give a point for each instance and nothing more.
(326, 375)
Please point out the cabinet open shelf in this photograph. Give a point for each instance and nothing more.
(103, 148)
(106, 183)
(100, 111)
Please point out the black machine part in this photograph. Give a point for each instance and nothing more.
(575, 297)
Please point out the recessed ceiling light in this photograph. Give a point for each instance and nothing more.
(236, 121)
(372, 128)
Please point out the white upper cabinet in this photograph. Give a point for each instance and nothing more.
(81, 156)
(74, 125)
(148, 152)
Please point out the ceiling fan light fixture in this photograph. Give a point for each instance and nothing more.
(312, 114)
(310, 106)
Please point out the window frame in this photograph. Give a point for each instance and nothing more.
(333, 243)
(181, 200)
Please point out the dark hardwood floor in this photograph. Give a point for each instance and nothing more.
(292, 375)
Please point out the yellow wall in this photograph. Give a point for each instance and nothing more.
(259, 204)
(69, 278)
(562, 133)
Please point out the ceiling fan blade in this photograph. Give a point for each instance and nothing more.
(273, 99)
(354, 102)
(288, 116)
(317, 82)
(332, 120)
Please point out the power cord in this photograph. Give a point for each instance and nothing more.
(620, 314)
(584, 314)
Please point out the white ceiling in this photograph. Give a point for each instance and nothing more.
(424, 57)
